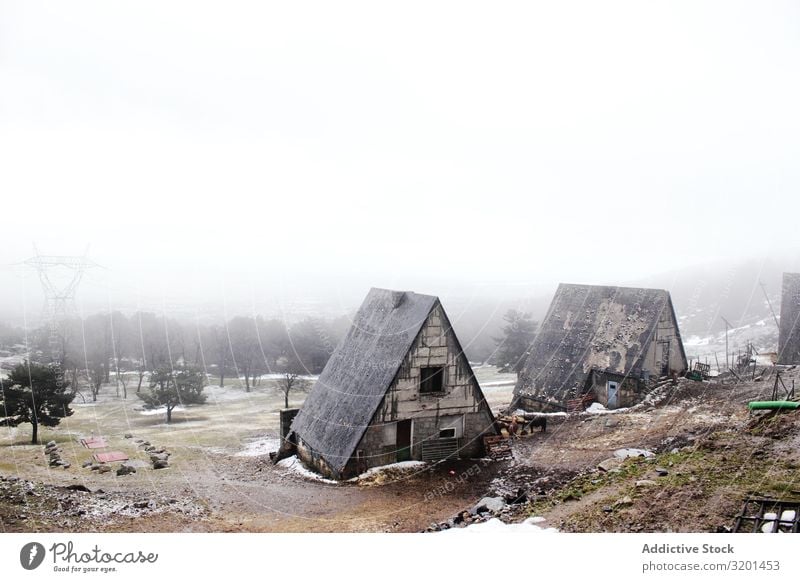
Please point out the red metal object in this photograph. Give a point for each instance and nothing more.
(110, 457)
(94, 443)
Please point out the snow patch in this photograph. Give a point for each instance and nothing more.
(494, 525)
(625, 453)
(296, 466)
(162, 410)
(520, 412)
(402, 465)
(597, 408)
(259, 447)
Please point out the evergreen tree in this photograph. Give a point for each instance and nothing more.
(37, 394)
(170, 388)
(513, 347)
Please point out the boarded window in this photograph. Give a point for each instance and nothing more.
(451, 426)
(389, 436)
(431, 380)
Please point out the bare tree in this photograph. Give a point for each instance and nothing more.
(244, 346)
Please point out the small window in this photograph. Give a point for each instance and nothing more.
(431, 380)
(447, 433)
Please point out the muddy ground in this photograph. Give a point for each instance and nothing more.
(709, 454)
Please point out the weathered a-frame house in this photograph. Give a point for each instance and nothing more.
(398, 387)
(602, 343)
(789, 336)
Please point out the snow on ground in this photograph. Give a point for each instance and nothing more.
(597, 408)
(520, 412)
(494, 525)
(259, 447)
(625, 453)
(296, 466)
(402, 465)
(497, 384)
(162, 410)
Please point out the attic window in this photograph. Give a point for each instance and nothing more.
(431, 380)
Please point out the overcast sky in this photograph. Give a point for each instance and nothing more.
(259, 149)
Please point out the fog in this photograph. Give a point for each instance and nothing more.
(278, 157)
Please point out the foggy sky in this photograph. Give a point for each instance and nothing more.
(259, 151)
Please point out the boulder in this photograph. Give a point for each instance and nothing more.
(104, 469)
(160, 464)
(623, 502)
(125, 470)
(488, 504)
(610, 464)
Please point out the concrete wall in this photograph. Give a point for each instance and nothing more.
(630, 391)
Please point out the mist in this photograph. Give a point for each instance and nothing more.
(283, 159)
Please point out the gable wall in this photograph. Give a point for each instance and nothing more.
(666, 330)
(789, 337)
(435, 346)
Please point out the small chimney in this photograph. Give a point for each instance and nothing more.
(397, 298)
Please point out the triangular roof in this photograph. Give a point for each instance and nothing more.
(590, 327)
(789, 333)
(360, 371)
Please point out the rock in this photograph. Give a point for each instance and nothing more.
(623, 502)
(51, 444)
(662, 472)
(104, 469)
(141, 504)
(607, 509)
(488, 504)
(610, 464)
(645, 483)
(160, 464)
(94, 467)
(66, 465)
(79, 487)
(125, 470)
(87, 464)
(150, 449)
(159, 457)
(128, 436)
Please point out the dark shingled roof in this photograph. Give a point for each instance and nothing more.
(590, 327)
(360, 371)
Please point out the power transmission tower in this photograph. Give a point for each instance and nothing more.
(59, 295)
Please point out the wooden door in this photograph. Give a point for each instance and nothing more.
(404, 440)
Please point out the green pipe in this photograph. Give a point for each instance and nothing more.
(773, 405)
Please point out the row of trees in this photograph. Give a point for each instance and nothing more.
(39, 393)
(119, 349)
